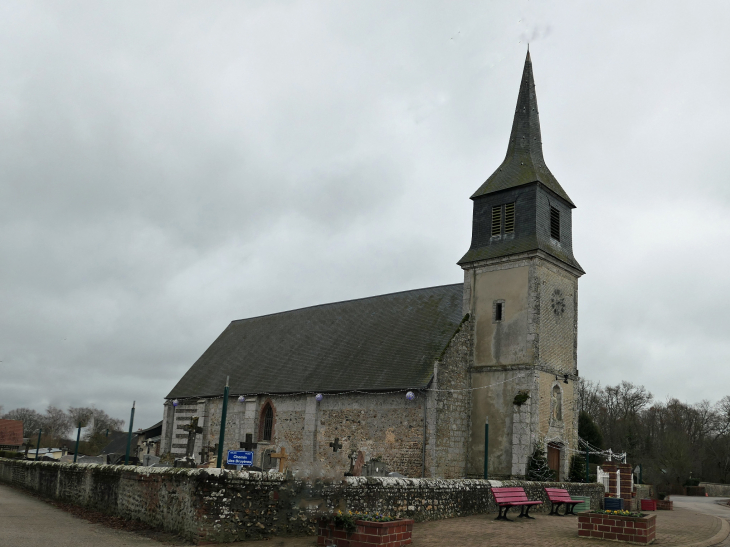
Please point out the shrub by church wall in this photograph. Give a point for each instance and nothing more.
(216, 505)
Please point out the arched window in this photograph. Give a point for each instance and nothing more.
(267, 422)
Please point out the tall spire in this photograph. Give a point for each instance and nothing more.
(524, 162)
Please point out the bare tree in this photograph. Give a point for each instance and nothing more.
(56, 422)
(96, 421)
(588, 396)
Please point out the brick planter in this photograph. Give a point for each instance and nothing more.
(368, 534)
(641, 530)
(664, 505)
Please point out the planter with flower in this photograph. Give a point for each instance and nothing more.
(626, 526)
(350, 529)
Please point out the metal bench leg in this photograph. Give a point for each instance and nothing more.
(553, 507)
(503, 515)
(525, 514)
(570, 509)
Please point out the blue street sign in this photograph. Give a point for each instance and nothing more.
(240, 457)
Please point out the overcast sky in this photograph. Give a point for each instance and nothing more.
(166, 168)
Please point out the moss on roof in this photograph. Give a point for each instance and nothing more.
(371, 344)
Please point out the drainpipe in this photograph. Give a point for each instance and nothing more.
(486, 446)
(423, 453)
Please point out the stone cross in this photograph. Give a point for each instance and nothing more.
(248, 444)
(282, 457)
(192, 429)
(205, 453)
(336, 445)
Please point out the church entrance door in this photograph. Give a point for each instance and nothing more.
(553, 457)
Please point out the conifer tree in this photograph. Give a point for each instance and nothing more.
(577, 468)
(538, 469)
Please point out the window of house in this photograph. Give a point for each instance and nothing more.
(554, 223)
(496, 220)
(509, 218)
(268, 425)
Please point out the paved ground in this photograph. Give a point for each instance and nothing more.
(29, 522)
(692, 523)
(26, 521)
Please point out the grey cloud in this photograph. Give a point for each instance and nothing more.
(169, 167)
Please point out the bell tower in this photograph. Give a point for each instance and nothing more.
(521, 290)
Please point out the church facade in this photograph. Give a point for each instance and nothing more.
(407, 381)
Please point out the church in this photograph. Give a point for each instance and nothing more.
(409, 380)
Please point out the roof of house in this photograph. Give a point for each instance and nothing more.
(370, 344)
(524, 162)
(151, 431)
(118, 443)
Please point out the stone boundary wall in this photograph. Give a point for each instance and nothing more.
(213, 505)
(716, 490)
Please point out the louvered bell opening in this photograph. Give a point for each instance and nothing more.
(554, 223)
(509, 218)
(496, 220)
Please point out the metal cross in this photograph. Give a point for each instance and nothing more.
(336, 445)
(248, 444)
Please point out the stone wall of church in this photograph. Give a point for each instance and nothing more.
(450, 411)
(383, 427)
(558, 417)
(554, 299)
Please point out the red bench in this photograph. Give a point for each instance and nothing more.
(558, 497)
(513, 497)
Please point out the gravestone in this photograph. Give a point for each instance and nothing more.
(267, 462)
(374, 469)
(149, 460)
(193, 429)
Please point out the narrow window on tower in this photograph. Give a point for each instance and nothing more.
(509, 218)
(496, 220)
(498, 307)
(554, 223)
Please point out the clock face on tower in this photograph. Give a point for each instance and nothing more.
(557, 302)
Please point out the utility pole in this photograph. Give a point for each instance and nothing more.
(38, 444)
(222, 436)
(76, 450)
(129, 436)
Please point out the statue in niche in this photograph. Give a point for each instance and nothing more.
(556, 405)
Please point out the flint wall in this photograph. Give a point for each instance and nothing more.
(211, 505)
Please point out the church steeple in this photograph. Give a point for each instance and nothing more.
(524, 162)
(522, 208)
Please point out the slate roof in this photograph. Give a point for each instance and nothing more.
(118, 442)
(516, 246)
(524, 162)
(380, 343)
(151, 431)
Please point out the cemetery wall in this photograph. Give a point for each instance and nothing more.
(716, 490)
(205, 505)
